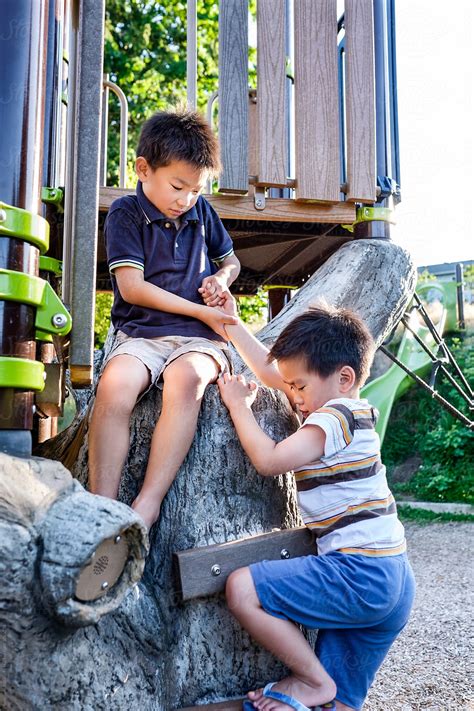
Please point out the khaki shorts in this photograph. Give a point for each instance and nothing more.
(157, 353)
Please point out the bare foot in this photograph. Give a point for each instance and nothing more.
(148, 510)
(300, 690)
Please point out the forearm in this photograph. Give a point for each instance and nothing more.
(255, 354)
(153, 297)
(229, 269)
(259, 447)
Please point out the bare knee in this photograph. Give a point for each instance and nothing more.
(240, 592)
(186, 379)
(119, 387)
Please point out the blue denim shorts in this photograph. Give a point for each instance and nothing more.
(359, 605)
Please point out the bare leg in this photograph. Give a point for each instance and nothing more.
(309, 683)
(122, 381)
(185, 381)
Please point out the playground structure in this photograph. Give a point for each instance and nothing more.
(383, 391)
(310, 161)
(310, 177)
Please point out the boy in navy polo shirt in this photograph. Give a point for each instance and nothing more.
(167, 251)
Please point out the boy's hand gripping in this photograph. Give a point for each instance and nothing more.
(217, 320)
(235, 391)
(214, 290)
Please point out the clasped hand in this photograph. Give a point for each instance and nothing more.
(214, 290)
(235, 390)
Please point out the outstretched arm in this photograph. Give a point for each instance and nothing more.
(252, 351)
(268, 457)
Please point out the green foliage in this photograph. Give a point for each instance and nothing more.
(253, 309)
(145, 54)
(469, 276)
(103, 306)
(423, 516)
(419, 425)
(424, 277)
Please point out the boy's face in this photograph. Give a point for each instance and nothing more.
(311, 391)
(174, 188)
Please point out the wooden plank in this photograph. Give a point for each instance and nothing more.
(233, 94)
(222, 706)
(233, 207)
(195, 566)
(360, 101)
(316, 101)
(271, 80)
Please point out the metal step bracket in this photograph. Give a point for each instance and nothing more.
(52, 317)
(372, 214)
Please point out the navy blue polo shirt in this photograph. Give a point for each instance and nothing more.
(138, 235)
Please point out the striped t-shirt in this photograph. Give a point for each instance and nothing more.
(344, 496)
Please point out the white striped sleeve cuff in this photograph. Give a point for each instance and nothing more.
(218, 260)
(126, 262)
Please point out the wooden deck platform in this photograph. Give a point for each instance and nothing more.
(280, 245)
(238, 207)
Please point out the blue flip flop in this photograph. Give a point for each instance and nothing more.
(289, 700)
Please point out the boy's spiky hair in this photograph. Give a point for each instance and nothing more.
(327, 338)
(179, 135)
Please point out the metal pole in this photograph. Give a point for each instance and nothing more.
(22, 92)
(191, 53)
(84, 200)
(72, 14)
(123, 129)
(383, 113)
(460, 294)
(104, 132)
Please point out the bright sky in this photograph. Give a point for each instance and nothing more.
(436, 123)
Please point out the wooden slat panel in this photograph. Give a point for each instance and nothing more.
(276, 209)
(271, 59)
(233, 94)
(194, 565)
(316, 101)
(360, 101)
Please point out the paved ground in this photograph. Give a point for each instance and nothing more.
(431, 665)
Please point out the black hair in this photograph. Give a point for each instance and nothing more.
(327, 338)
(179, 135)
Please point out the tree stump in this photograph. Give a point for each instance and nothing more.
(154, 650)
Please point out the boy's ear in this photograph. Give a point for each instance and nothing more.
(142, 169)
(347, 378)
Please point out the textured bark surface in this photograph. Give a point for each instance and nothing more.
(154, 651)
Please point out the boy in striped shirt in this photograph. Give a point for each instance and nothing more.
(358, 592)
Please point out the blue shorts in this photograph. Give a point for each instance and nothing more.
(358, 604)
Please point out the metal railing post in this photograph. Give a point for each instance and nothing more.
(191, 53)
(82, 189)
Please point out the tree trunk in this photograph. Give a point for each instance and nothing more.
(154, 651)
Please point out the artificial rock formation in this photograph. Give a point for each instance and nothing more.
(154, 651)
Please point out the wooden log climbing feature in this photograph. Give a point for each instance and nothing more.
(223, 706)
(204, 571)
(271, 78)
(316, 101)
(360, 101)
(233, 95)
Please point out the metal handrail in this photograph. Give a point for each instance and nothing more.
(209, 115)
(107, 84)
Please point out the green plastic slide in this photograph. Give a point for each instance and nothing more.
(440, 301)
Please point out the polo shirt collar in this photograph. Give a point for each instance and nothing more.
(152, 213)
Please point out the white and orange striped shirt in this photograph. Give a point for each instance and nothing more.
(344, 496)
